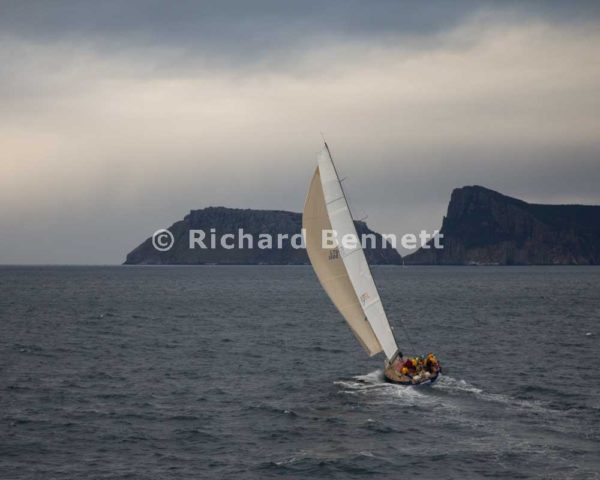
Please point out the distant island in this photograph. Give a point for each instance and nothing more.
(484, 227)
(481, 227)
(254, 222)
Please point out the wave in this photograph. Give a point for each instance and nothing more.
(312, 463)
(439, 394)
(453, 385)
(460, 387)
(374, 384)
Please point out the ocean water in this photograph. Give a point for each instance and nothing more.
(250, 373)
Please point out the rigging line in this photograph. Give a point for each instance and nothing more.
(408, 338)
(338, 178)
(402, 325)
(352, 204)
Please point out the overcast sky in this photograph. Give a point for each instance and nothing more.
(117, 118)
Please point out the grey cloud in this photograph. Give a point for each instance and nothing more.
(109, 132)
(248, 31)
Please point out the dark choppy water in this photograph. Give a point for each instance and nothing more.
(248, 372)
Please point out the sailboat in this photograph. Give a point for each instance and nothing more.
(346, 276)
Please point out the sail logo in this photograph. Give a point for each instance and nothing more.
(364, 297)
(334, 254)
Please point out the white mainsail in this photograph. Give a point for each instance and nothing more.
(344, 272)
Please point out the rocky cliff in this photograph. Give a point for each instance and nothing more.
(485, 227)
(254, 222)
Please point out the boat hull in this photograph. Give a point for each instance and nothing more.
(392, 376)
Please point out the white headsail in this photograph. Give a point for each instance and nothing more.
(344, 272)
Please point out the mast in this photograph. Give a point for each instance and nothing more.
(354, 260)
(398, 352)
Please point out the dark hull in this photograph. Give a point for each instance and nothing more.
(392, 377)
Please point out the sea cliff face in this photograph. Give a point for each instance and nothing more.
(481, 227)
(485, 227)
(254, 222)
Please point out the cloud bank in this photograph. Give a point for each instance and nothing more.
(117, 120)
